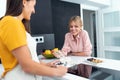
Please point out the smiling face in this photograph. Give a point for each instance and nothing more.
(74, 28)
(75, 25)
(28, 8)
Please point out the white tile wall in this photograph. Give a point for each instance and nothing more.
(2, 7)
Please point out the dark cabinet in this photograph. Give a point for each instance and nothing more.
(41, 21)
(52, 17)
(61, 13)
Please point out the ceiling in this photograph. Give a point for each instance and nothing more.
(96, 3)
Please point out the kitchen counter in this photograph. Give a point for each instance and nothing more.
(109, 66)
(107, 63)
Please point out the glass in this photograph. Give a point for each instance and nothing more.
(112, 55)
(112, 39)
(112, 19)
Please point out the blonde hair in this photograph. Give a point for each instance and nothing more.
(76, 19)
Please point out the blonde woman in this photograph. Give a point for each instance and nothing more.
(77, 41)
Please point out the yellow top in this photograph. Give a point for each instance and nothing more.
(12, 36)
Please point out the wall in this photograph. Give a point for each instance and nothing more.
(115, 5)
(2, 7)
(105, 2)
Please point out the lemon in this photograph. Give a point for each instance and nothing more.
(47, 52)
(55, 49)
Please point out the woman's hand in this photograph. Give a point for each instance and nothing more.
(58, 54)
(60, 70)
(53, 63)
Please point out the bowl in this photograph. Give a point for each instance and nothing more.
(48, 54)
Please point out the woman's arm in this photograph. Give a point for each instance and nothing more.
(28, 65)
(78, 54)
(50, 64)
(87, 46)
(66, 48)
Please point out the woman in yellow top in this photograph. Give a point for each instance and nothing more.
(17, 47)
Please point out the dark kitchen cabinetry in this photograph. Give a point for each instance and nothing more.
(51, 17)
(41, 21)
(61, 13)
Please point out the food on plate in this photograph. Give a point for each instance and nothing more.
(94, 60)
(55, 49)
(47, 53)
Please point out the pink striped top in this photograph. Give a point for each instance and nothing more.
(82, 43)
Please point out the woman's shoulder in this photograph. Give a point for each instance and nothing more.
(9, 19)
(14, 22)
(68, 34)
(84, 32)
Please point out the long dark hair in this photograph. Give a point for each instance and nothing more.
(15, 8)
(27, 25)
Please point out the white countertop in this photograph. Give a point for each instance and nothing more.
(106, 64)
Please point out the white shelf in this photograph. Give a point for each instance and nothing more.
(112, 29)
(112, 48)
